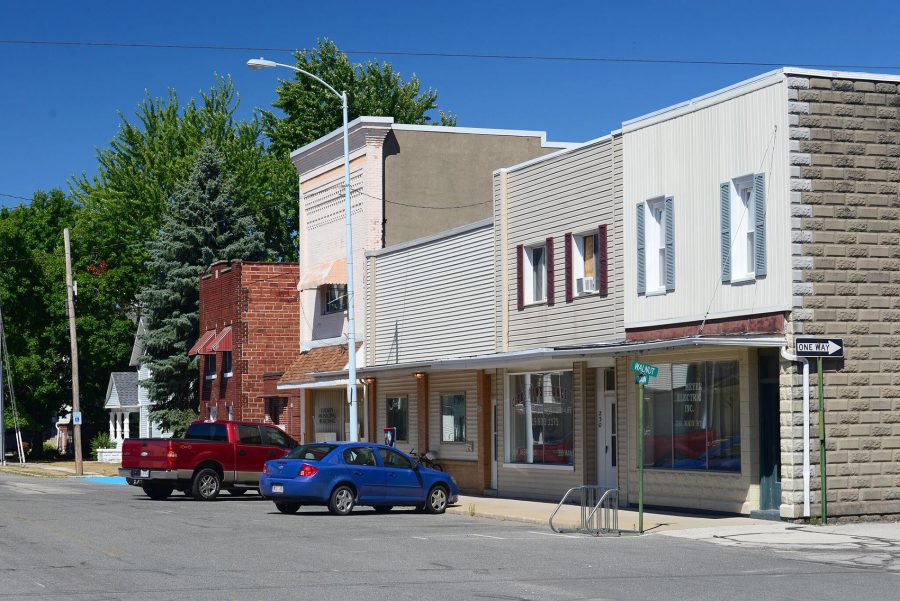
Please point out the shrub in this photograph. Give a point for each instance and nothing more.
(101, 441)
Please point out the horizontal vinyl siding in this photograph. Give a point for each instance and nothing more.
(453, 382)
(574, 193)
(394, 387)
(433, 300)
(688, 158)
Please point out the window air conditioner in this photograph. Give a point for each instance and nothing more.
(586, 285)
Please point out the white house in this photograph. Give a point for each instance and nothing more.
(129, 404)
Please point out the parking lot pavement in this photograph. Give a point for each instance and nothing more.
(68, 539)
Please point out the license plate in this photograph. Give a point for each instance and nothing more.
(277, 488)
(145, 473)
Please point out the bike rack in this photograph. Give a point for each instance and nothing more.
(599, 511)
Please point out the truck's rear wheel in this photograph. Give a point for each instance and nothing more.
(206, 485)
(157, 491)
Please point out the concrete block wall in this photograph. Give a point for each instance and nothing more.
(845, 183)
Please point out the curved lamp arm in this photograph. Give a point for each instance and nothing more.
(261, 63)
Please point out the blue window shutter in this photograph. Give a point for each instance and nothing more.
(641, 259)
(725, 211)
(759, 208)
(670, 244)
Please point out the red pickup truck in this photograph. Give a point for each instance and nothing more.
(210, 457)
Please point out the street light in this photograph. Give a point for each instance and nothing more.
(261, 63)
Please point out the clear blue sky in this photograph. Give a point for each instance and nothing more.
(58, 104)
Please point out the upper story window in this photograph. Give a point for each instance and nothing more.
(743, 225)
(536, 274)
(210, 367)
(334, 298)
(226, 364)
(656, 246)
(586, 266)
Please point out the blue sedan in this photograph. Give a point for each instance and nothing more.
(342, 475)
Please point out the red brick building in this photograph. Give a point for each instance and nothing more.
(250, 333)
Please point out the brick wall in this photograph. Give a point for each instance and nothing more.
(845, 151)
(260, 302)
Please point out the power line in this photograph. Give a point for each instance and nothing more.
(451, 55)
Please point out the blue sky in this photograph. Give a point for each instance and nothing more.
(58, 104)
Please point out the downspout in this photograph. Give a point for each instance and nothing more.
(794, 358)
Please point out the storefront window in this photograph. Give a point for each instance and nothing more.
(692, 417)
(541, 418)
(398, 416)
(453, 417)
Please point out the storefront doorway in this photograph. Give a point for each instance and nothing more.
(769, 432)
(606, 428)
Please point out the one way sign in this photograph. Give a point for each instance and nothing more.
(819, 347)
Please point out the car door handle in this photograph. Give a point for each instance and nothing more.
(357, 473)
(392, 475)
(242, 452)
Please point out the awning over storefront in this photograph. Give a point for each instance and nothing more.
(203, 343)
(328, 272)
(323, 358)
(571, 353)
(222, 342)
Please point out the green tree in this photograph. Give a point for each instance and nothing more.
(32, 295)
(375, 89)
(207, 221)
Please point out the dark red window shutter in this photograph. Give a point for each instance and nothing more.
(568, 258)
(520, 283)
(551, 283)
(603, 262)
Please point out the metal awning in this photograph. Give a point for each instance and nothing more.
(513, 358)
(327, 272)
(204, 340)
(222, 342)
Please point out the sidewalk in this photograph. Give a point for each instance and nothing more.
(569, 516)
(60, 469)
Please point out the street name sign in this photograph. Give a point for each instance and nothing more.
(641, 379)
(819, 347)
(644, 368)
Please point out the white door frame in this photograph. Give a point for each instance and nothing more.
(607, 475)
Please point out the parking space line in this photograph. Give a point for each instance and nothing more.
(555, 534)
(488, 536)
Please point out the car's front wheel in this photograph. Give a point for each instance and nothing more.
(156, 491)
(286, 507)
(437, 500)
(207, 485)
(342, 500)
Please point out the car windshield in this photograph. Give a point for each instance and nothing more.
(310, 451)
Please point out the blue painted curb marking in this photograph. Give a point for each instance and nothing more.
(103, 479)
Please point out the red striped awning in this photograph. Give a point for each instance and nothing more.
(222, 343)
(203, 343)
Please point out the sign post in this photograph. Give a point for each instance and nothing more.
(821, 348)
(643, 373)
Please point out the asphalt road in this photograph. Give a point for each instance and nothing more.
(62, 539)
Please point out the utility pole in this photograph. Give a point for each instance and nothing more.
(76, 407)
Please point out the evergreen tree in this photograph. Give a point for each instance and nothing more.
(206, 222)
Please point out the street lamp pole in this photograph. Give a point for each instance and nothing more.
(261, 63)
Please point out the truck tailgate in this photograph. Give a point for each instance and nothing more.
(146, 453)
